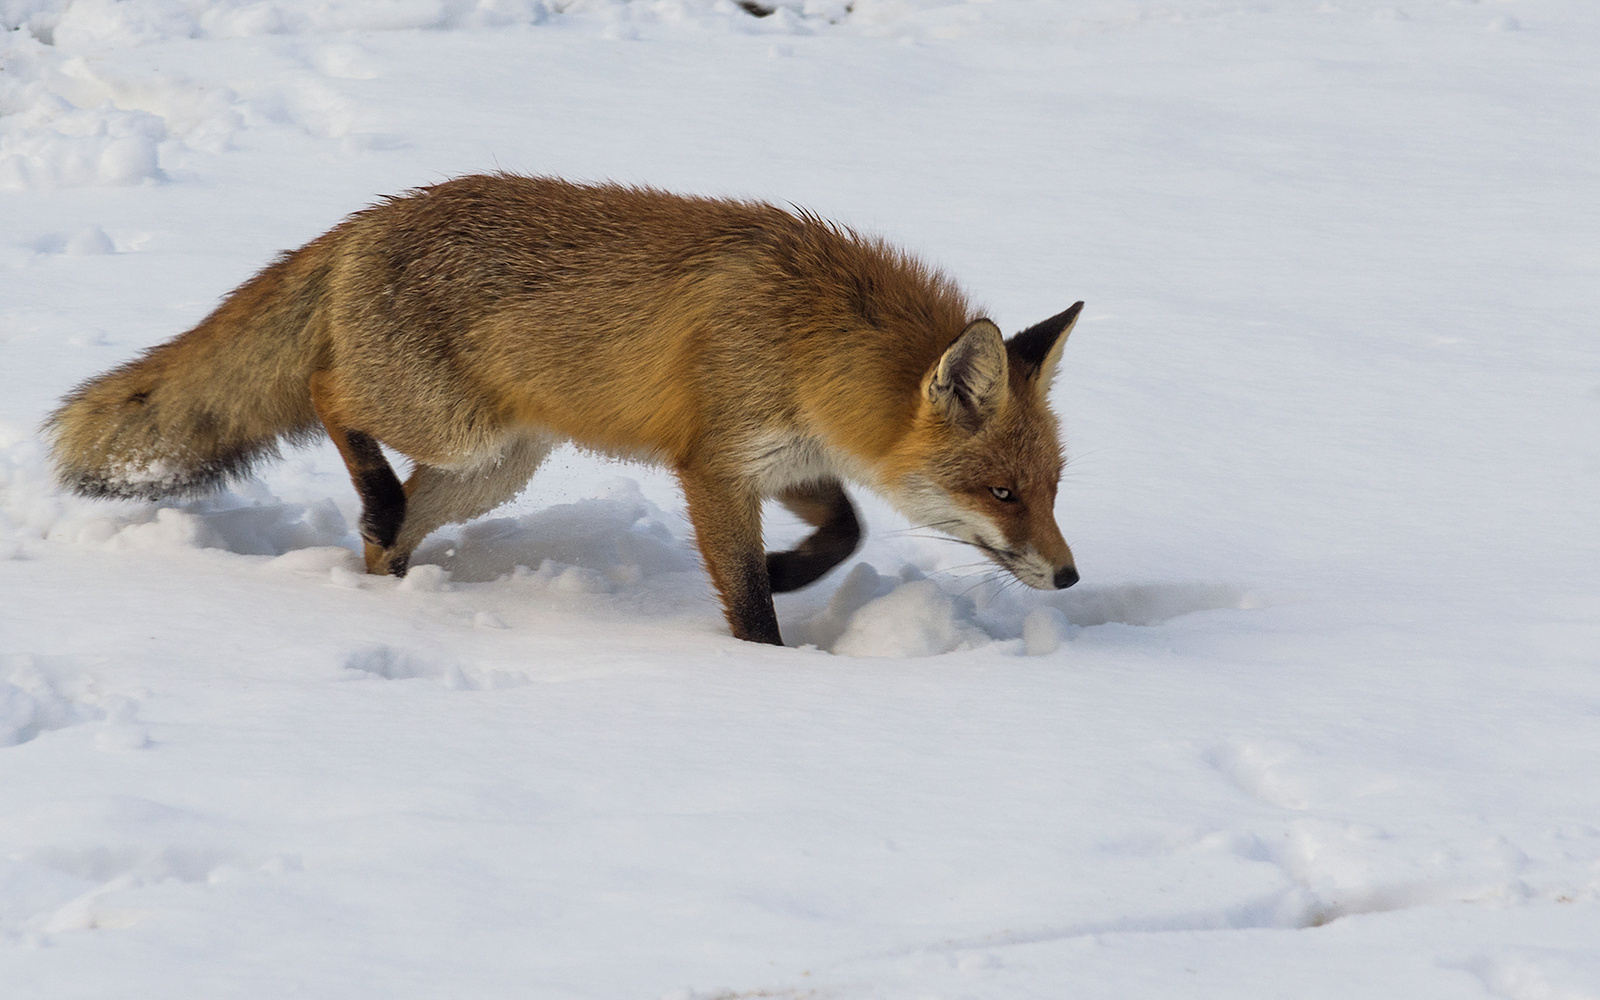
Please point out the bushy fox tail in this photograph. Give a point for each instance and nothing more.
(204, 407)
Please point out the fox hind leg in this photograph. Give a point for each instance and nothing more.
(435, 496)
(383, 499)
(826, 507)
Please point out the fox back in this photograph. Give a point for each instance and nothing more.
(630, 320)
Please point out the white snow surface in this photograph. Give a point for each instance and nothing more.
(1322, 719)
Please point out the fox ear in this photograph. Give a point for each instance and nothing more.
(969, 382)
(1037, 350)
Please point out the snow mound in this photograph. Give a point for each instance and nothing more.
(874, 615)
(56, 145)
(1044, 630)
(67, 120)
(914, 619)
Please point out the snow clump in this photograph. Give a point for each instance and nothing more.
(56, 145)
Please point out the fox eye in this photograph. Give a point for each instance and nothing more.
(1003, 495)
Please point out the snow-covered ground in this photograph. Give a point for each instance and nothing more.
(1323, 719)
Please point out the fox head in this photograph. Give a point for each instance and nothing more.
(984, 458)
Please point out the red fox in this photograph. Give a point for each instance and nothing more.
(474, 325)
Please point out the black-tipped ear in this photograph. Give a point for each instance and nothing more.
(968, 384)
(1036, 350)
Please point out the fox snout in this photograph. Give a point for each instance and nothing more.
(1043, 573)
(1045, 561)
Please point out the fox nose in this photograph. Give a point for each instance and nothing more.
(1066, 576)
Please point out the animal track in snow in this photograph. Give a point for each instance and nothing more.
(1265, 771)
(39, 694)
(69, 865)
(1343, 868)
(873, 614)
(390, 663)
(1150, 603)
(55, 890)
(1538, 973)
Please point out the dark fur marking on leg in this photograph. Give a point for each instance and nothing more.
(750, 607)
(383, 499)
(831, 544)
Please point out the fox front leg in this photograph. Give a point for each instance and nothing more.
(826, 507)
(726, 514)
